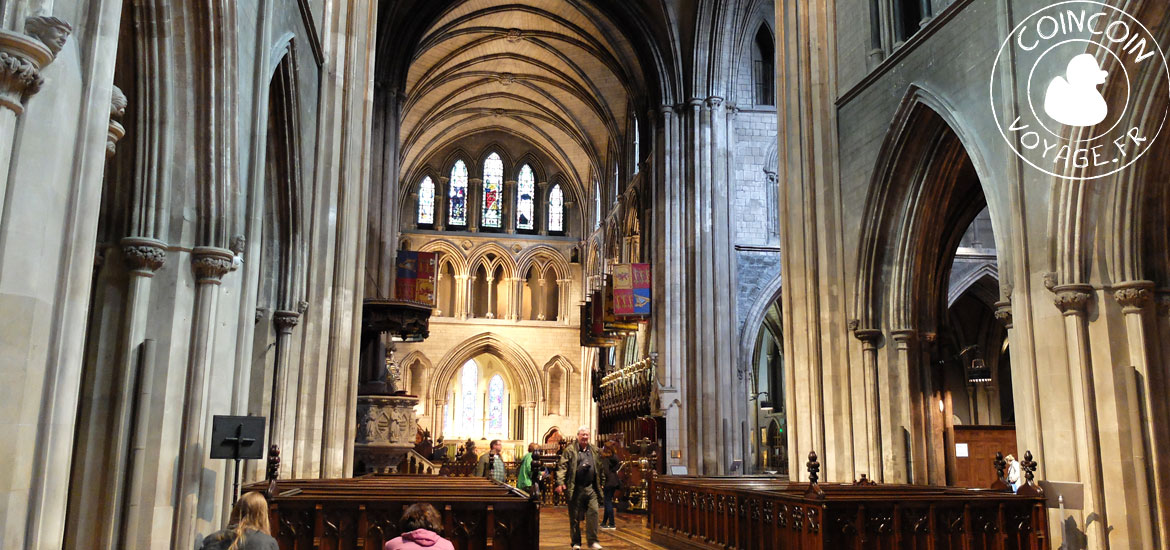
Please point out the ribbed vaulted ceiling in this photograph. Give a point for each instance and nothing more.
(554, 72)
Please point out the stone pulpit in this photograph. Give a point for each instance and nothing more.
(385, 413)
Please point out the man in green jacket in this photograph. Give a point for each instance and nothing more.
(524, 479)
(578, 472)
(491, 464)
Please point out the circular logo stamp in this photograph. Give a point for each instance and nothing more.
(1081, 61)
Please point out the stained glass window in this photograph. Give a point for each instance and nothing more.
(525, 195)
(496, 405)
(468, 386)
(556, 209)
(426, 202)
(596, 206)
(493, 191)
(457, 210)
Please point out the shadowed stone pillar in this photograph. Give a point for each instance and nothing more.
(1073, 301)
(563, 287)
(877, 424)
(1134, 297)
(286, 321)
(906, 459)
(210, 265)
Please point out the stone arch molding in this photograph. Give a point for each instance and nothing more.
(896, 192)
(749, 333)
(529, 382)
(543, 256)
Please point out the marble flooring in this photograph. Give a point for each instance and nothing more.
(631, 533)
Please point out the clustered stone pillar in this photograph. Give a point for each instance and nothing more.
(210, 264)
(1134, 298)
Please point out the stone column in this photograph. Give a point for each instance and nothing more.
(1073, 301)
(280, 433)
(210, 265)
(538, 300)
(540, 209)
(563, 301)
(1134, 297)
(531, 430)
(491, 296)
(876, 433)
(508, 207)
(21, 59)
(441, 206)
(438, 285)
(515, 296)
(143, 257)
(876, 53)
(903, 467)
(462, 291)
(474, 203)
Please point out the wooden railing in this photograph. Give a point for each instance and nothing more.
(749, 513)
(364, 513)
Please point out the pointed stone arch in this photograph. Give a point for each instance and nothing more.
(979, 276)
(450, 253)
(545, 256)
(556, 374)
(527, 376)
(503, 258)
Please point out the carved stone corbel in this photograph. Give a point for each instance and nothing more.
(21, 60)
(210, 264)
(50, 31)
(144, 256)
(1003, 312)
(115, 131)
(1072, 299)
(285, 321)
(1134, 296)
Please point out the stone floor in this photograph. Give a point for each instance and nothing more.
(631, 533)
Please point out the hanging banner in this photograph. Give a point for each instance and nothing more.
(416, 276)
(631, 290)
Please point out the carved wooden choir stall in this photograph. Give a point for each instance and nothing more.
(363, 513)
(750, 513)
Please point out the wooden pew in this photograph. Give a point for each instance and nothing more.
(758, 513)
(363, 513)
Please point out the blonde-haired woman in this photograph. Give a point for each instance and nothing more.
(247, 529)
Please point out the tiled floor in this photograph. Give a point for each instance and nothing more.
(631, 533)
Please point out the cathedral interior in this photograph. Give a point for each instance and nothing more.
(783, 258)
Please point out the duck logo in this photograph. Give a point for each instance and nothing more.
(1081, 113)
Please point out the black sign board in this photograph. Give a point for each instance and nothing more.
(237, 437)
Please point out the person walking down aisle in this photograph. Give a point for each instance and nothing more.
(579, 474)
(491, 464)
(422, 529)
(247, 529)
(609, 468)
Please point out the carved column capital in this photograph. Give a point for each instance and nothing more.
(21, 60)
(903, 337)
(1003, 312)
(144, 256)
(1134, 296)
(210, 264)
(868, 336)
(714, 102)
(285, 321)
(1072, 299)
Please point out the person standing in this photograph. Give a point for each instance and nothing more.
(491, 464)
(578, 474)
(609, 469)
(1013, 475)
(524, 478)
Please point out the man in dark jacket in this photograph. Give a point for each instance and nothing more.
(580, 473)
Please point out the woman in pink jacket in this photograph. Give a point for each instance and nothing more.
(421, 530)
